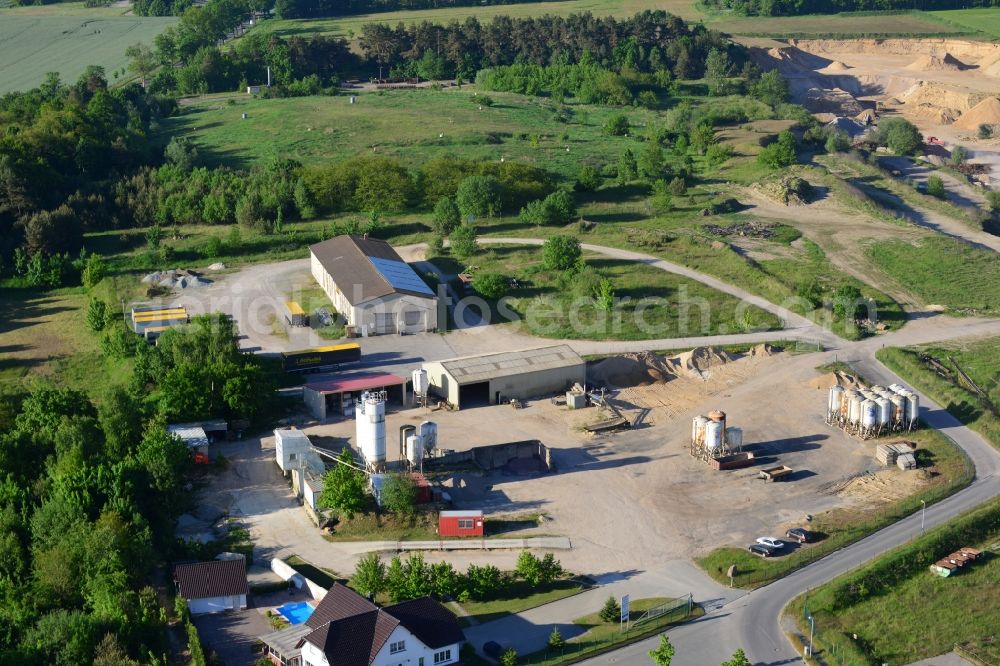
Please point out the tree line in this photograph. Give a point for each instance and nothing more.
(287, 9)
(798, 7)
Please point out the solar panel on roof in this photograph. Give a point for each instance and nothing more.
(400, 275)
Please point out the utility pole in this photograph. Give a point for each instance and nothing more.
(812, 630)
(923, 511)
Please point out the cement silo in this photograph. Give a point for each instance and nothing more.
(714, 433)
(370, 429)
(415, 450)
(421, 383)
(428, 431)
(698, 430)
(913, 410)
(884, 413)
(869, 418)
(834, 401)
(734, 439)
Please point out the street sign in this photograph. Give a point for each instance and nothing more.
(625, 602)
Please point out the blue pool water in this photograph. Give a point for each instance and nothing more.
(296, 612)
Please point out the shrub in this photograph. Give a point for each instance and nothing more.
(900, 136)
(837, 142)
(556, 641)
(509, 657)
(779, 154)
(935, 187)
(959, 155)
(616, 125)
(399, 494)
(463, 241)
(97, 315)
(446, 217)
(93, 271)
(993, 200)
(589, 179)
(479, 196)
(561, 253)
(491, 286)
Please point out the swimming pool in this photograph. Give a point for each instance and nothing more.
(296, 612)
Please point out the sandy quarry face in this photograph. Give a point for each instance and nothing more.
(947, 87)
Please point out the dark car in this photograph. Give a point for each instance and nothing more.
(799, 534)
(493, 649)
(762, 550)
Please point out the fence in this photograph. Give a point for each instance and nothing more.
(549, 543)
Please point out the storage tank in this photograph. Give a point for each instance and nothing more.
(869, 414)
(713, 435)
(895, 388)
(845, 405)
(377, 482)
(734, 438)
(698, 429)
(875, 388)
(854, 409)
(420, 382)
(884, 411)
(898, 408)
(370, 428)
(415, 449)
(834, 399)
(913, 408)
(429, 432)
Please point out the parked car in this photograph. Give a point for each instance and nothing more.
(772, 542)
(799, 534)
(762, 550)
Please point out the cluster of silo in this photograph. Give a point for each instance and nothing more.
(874, 411)
(417, 442)
(712, 438)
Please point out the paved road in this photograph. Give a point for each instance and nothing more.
(752, 622)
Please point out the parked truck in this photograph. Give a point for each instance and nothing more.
(321, 358)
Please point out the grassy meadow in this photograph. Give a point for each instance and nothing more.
(551, 306)
(984, 20)
(920, 615)
(66, 39)
(980, 359)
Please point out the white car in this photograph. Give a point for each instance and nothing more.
(771, 541)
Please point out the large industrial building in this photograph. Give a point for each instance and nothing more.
(496, 378)
(372, 287)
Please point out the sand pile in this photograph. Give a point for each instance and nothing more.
(831, 379)
(934, 63)
(836, 66)
(990, 66)
(643, 368)
(986, 112)
(764, 349)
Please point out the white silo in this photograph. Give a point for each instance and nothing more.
(835, 399)
(869, 414)
(713, 435)
(895, 388)
(698, 430)
(734, 438)
(377, 482)
(875, 388)
(854, 409)
(898, 409)
(420, 382)
(913, 409)
(415, 450)
(370, 428)
(884, 411)
(428, 431)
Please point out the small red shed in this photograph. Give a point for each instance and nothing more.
(424, 493)
(460, 524)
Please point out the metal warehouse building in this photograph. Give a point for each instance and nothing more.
(496, 378)
(372, 287)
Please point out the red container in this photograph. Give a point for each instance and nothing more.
(460, 524)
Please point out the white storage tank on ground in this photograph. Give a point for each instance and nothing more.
(898, 408)
(845, 405)
(378, 482)
(884, 411)
(734, 437)
(713, 435)
(698, 429)
(371, 428)
(913, 408)
(854, 409)
(420, 382)
(869, 414)
(428, 431)
(895, 388)
(835, 398)
(414, 449)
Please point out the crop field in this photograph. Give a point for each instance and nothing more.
(911, 23)
(975, 20)
(33, 44)
(413, 125)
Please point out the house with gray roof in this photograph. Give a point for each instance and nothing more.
(372, 287)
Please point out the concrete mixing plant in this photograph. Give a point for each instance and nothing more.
(712, 439)
(370, 429)
(874, 411)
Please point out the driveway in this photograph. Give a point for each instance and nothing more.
(231, 635)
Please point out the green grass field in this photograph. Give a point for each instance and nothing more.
(943, 271)
(519, 596)
(550, 308)
(985, 20)
(980, 359)
(949, 471)
(918, 617)
(33, 43)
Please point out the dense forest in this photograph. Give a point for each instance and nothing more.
(290, 9)
(90, 495)
(797, 7)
